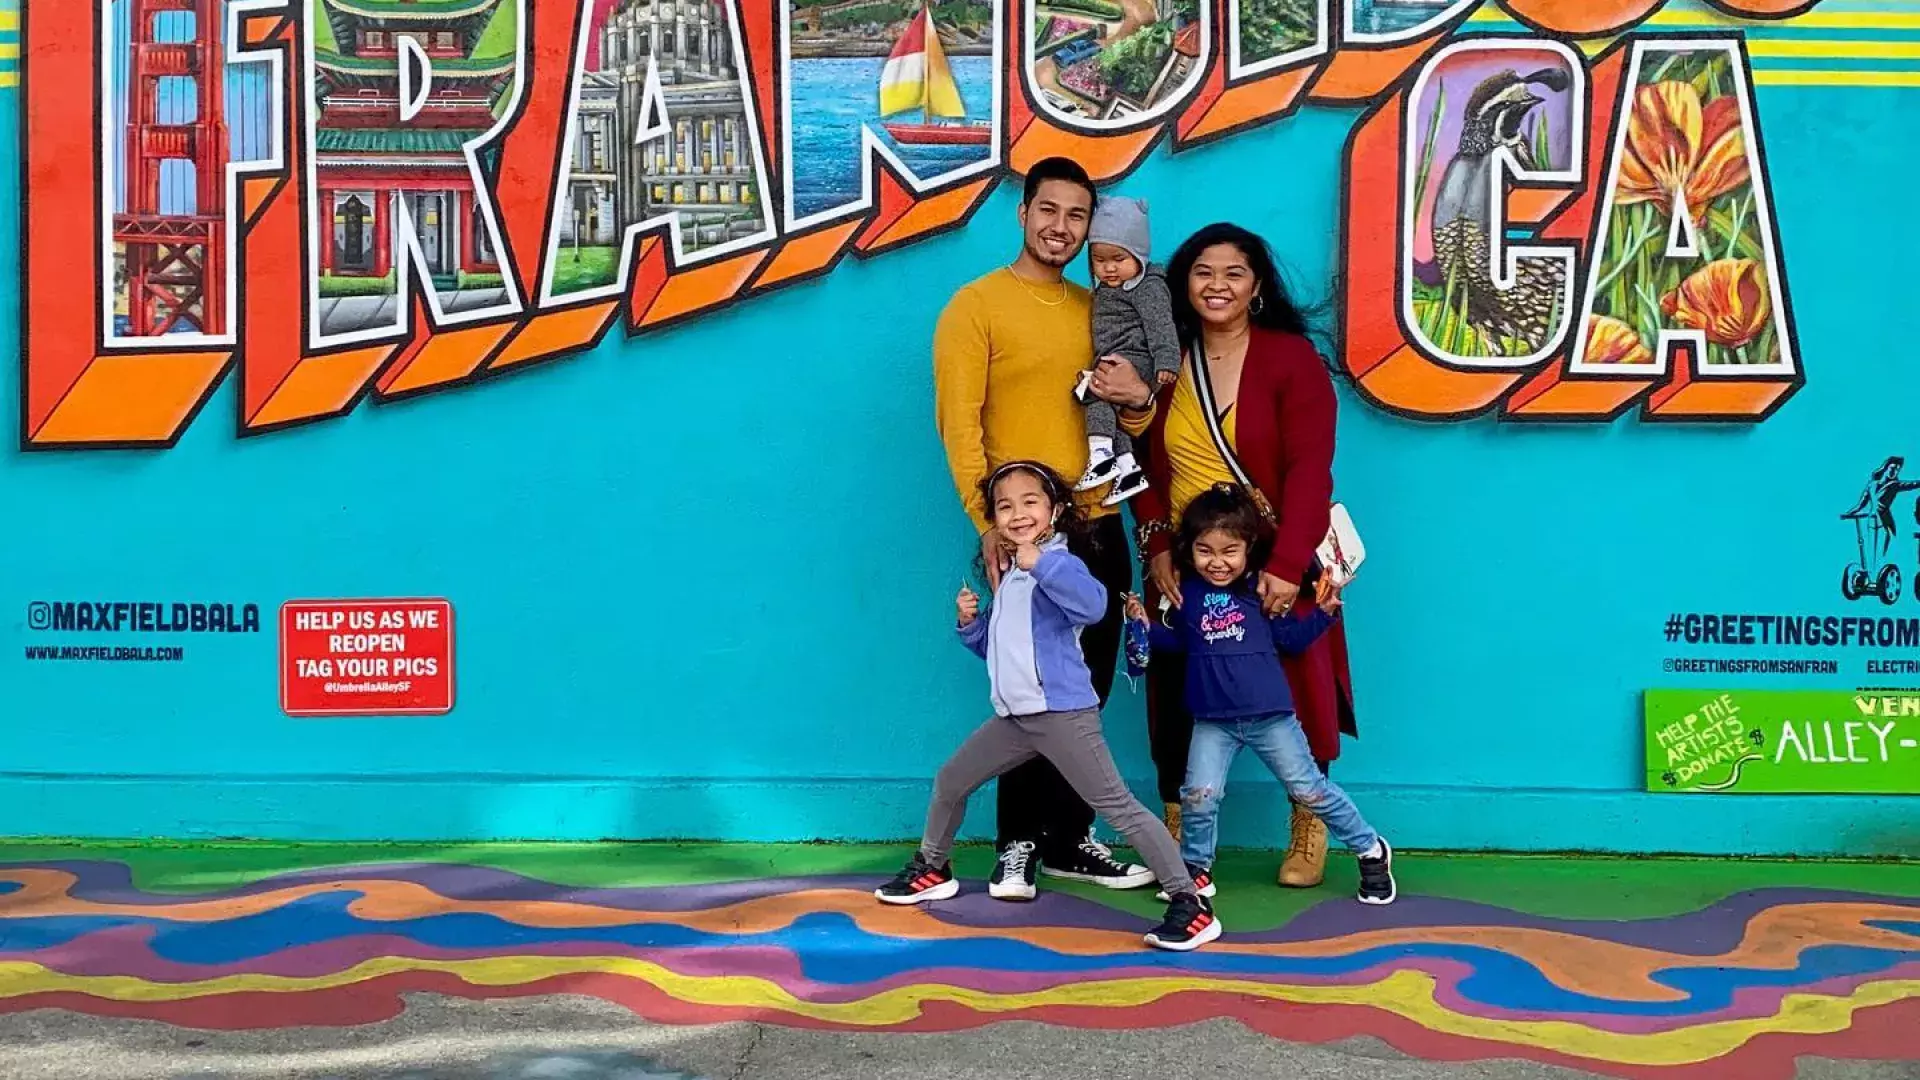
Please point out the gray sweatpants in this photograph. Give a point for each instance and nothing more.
(1073, 743)
(1104, 419)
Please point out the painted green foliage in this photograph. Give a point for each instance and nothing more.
(1270, 28)
(1685, 154)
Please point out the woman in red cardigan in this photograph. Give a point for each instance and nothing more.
(1249, 363)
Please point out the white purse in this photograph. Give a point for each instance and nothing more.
(1342, 552)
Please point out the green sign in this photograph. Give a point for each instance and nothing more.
(1783, 741)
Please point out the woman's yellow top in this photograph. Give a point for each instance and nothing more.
(1194, 460)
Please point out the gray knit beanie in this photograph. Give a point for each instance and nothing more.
(1122, 222)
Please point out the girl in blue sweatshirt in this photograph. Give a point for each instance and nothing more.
(1044, 703)
(1237, 689)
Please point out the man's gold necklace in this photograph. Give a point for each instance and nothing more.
(1038, 299)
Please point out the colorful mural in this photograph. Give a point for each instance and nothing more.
(1561, 248)
(1735, 981)
(1684, 313)
(1114, 63)
(916, 85)
(404, 98)
(1265, 35)
(657, 133)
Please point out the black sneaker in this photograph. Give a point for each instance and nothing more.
(1202, 883)
(918, 882)
(1126, 486)
(1376, 877)
(1093, 862)
(1101, 471)
(1013, 874)
(1190, 923)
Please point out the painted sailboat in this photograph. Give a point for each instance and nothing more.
(917, 76)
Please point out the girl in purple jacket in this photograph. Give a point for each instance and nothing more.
(1044, 703)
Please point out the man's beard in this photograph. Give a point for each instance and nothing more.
(1040, 255)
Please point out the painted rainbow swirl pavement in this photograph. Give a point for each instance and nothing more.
(1738, 988)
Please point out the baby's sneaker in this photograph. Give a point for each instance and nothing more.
(1131, 481)
(1102, 467)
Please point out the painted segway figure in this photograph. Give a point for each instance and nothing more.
(1874, 530)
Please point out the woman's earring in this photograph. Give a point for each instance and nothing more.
(1259, 303)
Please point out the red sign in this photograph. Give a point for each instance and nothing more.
(366, 657)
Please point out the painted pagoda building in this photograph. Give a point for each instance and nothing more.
(370, 163)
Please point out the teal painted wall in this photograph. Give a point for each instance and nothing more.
(703, 578)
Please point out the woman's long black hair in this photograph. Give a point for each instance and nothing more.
(1274, 306)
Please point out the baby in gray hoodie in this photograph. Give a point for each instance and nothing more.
(1132, 318)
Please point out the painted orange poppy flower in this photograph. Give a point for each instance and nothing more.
(1727, 300)
(1610, 341)
(1677, 146)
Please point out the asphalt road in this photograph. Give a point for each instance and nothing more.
(583, 1038)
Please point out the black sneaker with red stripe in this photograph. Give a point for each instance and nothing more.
(1190, 923)
(920, 881)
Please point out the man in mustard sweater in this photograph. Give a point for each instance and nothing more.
(1007, 351)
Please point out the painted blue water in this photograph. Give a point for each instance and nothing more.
(1372, 18)
(833, 97)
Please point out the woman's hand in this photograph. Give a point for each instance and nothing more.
(993, 554)
(1165, 577)
(1136, 611)
(1276, 596)
(968, 605)
(1115, 382)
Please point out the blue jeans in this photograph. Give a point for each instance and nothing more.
(1280, 743)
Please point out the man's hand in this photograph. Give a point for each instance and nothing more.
(996, 555)
(968, 605)
(1026, 555)
(1276, 596)
(1165, 577)
(1115, 382)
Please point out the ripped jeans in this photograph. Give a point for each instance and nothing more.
(1282, 745)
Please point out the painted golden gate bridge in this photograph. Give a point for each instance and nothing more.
(175, 259)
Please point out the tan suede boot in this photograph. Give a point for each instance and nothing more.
(1306, 863)
(1173, 819)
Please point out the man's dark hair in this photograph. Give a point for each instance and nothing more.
(1057, 168)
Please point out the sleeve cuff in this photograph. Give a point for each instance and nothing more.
(1287, 568)
(1153, 537)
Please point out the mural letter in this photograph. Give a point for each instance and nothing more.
(136, 148)
(661, 134)
(926, 100)
(1684, 266)
(1095, 65)
(1443, 313)
(395, 184)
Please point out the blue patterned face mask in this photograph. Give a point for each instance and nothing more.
(1137, 652)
